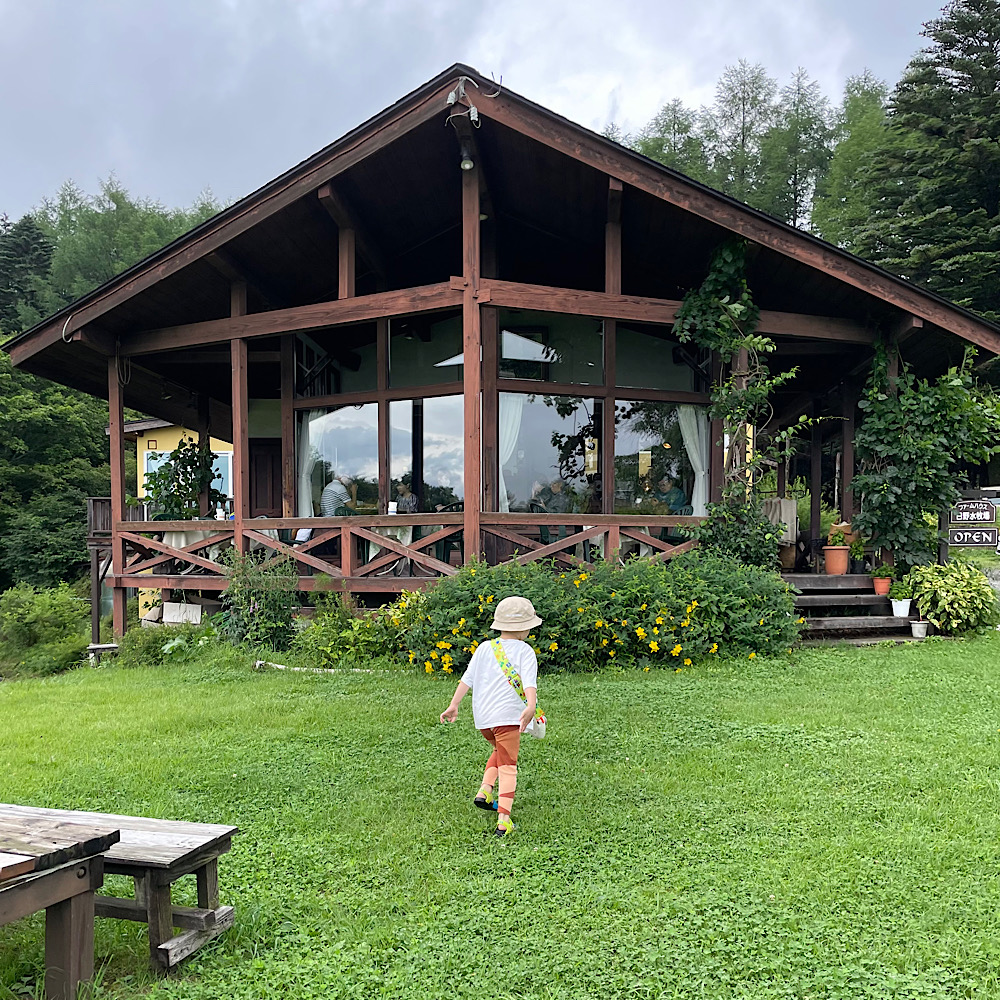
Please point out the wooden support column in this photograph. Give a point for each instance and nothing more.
(204, 432)
(490, 319)
(346, 263)
(717, 444)
(287, 425)
(613, 286)
(849, 402)
(116, 424)
(382, 382)
(815, 483)
(472, 351)
(95, 595)
(782, 480)
(241, 445)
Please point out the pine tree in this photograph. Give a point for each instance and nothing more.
(675, 139)
(935, 182)
(25, 254)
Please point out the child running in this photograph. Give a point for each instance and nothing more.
(497, 709)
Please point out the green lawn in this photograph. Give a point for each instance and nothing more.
(823, 827)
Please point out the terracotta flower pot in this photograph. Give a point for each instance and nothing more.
(835, 559)
(882, 584)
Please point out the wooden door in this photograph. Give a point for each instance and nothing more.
(265, 477)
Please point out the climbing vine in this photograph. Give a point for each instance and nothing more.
(721, 316)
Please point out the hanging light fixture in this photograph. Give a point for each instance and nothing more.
(466, 161)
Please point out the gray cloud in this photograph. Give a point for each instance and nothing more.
(229, 93)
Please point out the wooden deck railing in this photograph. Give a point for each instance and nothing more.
(383, 553)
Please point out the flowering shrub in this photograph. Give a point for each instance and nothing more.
(645, 613)
(956, 597)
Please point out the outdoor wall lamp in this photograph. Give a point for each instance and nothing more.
(467, 162)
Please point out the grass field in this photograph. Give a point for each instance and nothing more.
(824, 827)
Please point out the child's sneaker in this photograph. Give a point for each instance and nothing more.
(504, 826)
(485, 800)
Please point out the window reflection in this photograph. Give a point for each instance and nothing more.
(427, 453)
(661, 458)
(645, 358)
(328, 362)
(337, 459)
(425, 349)
(550, 347)
(549, 453)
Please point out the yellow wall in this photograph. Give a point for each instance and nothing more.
(167, 438)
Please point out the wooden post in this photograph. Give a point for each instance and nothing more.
(241, 456)
(69, 945)
(490, 319)
(815, 485)
(849, 403)
(287, 425)
(472, 351)
(116, 424)
(95, 595)
(782, 480)
(613, 286)
(346, 263)
(717, 450)
(204, 439)
(417, 449)
(944, 519)
(382, 410)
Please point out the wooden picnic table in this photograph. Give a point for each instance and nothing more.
(55, 865)
(156, 853)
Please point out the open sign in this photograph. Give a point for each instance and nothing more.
(973, 536)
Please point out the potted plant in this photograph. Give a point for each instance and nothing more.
(901, 595)
(882, 579)
(835, 554)
(918, 628)
(856, 553)
(174, 489)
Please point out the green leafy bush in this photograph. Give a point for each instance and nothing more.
(646, 613)
(42, 631)
(956, 597)
(741, 531)
(258, 605)
(149, 646)
(901, 590)
(884, 572)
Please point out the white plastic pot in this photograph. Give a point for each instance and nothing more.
(919, 629)
(901, 609)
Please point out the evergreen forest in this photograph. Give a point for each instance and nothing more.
(906, 175)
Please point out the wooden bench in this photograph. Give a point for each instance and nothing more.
(156, 853)
(55, 866)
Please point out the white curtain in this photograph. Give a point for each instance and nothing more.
(511, 405)
(694, 432)
(310, 430)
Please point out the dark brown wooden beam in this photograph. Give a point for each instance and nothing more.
(472, 345)
(217, 358)
(849, 401)
(346, 220)
(287, 426)
(424, 298)
(116, 425)
(596, 152)
(815, 483)
(235, 271)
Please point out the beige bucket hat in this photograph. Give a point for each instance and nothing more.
(515, 614)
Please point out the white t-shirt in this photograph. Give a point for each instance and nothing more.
(494, 700)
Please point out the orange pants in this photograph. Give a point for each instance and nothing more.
(506, 741)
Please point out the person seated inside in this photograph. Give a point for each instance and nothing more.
(669, 494)
(339, 497)
(553, 499)
(406, 501)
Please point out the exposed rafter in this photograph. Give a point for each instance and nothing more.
(346, 219)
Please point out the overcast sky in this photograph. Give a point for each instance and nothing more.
(180, 95)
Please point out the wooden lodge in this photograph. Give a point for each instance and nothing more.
(449, 334)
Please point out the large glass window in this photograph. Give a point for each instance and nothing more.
(336, 457)
(661, 458)
(648, 357)
(549, 453)
(425, 349)
(342, 359)
(549, 347)
(428, 457)
(223, 463)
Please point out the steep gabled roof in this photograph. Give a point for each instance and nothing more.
(508, 111)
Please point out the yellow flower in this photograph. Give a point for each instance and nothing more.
(800, 621)
(583, 576)
(475, 645)
(443, 645)
(599, 623)
(762, 621)
(685, 623)
(656, 631)
(611, 652)
(715, 648)
(461, 622)
(676, 650)
(427, 667)
(473, 571)
(654, 646)
(489, 600)
(579, 609)
(643, 607)
(659, 619)
(434, 654)
(687, 662)
(604, 642)
(576, 583)
(413, 656)
(645, 670)
(694, 604)
(751, 656)
(640, 632)
(553, 646)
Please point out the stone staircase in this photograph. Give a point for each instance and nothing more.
(845, 608)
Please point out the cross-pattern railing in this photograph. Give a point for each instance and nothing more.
(384, 552)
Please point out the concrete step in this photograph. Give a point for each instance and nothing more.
(859, 582)
(855, 622)
(841, 599)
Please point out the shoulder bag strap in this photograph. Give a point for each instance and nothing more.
(513, 677)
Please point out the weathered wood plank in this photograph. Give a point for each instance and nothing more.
(174, 951)
(185, 917)
(856, 622)
(12, 865)
(20, 897)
